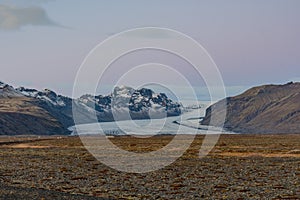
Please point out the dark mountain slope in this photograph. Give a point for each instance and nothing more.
(20, 115)
(264, 109)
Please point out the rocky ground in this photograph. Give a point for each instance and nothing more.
(239, 167)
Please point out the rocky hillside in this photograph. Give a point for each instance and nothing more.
(264, 109)
(29, 111)
(22, 115)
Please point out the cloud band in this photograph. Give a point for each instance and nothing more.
(13, 18)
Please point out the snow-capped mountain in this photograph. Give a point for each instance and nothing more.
(127, 103)
(2, 85)
(8, 91)
(45, 95)
(20, 114)
(124, 103)
(121, 98)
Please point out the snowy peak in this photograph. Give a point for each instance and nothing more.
(46, 95)
(122, 97)
(99, 103)
(146, 98)
(8, 91)
(135, 101)
(2, 85)
(28, 92)
(123, 91)
(139, 103)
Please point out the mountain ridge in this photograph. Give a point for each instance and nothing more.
(124, 103)
(262, 109)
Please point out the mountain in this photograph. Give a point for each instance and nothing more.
(126, 103)
(60, 107)
(21, 115)
(263, 109)
(8, 91)
(45, 112)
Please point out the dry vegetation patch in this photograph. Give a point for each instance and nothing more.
(239, 167)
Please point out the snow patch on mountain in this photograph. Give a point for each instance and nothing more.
(2, 85)
(124, 103)
(8, 91)
(45, 95)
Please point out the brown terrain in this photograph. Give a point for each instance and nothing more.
(243, 166)
(263, 109)
(240, 166)
(22, 115)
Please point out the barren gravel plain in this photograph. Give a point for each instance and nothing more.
(239, 167)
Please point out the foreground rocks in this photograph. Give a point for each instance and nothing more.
(239, 167)
(13, 193)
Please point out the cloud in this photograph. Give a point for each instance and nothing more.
(13, 18)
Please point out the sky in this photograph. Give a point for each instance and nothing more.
(44, 42)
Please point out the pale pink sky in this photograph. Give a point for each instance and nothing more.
(43, 42)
